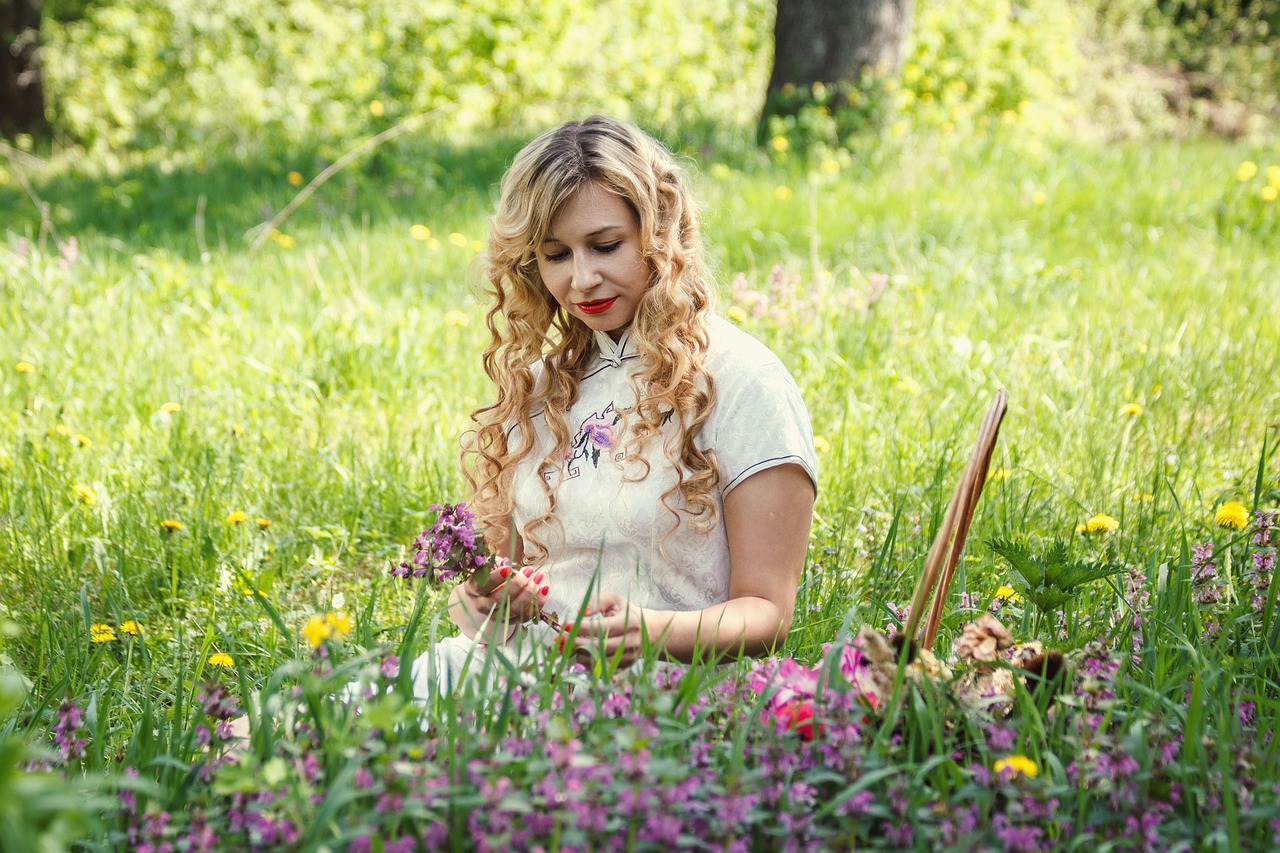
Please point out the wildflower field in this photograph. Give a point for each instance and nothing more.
(212, 457)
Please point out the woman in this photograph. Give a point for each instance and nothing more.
(645, 463)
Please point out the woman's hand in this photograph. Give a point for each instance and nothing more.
(615, 625)
(511, 596)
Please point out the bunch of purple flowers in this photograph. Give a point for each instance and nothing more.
(450, 550)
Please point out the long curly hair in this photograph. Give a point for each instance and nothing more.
(537, 352)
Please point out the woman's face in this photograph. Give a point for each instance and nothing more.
(591, 260)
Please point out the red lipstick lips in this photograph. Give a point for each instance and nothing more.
(597, 306)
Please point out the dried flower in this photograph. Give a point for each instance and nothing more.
(983, 639)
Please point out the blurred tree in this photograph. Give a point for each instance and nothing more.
(21, 93)
(832, 42)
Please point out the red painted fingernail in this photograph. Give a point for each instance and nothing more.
(537, 578)
(545, 590)
(527, 571)
(560, 643)
(503, 572)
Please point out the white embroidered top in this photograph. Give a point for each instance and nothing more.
(607, 528)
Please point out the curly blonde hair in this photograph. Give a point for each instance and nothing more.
(528, 327)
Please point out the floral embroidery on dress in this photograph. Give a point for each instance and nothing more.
(597, 433)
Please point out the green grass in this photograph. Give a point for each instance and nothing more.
(321, 388)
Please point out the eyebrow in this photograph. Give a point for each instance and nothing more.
(595, 233)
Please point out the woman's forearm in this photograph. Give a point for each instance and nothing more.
(741, 627)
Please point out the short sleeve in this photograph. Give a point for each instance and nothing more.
(760, 420)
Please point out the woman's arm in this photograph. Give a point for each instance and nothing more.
(767, 519)
(490, 613)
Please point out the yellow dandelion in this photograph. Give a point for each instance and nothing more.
(25, 367)
(377, 109)
(1008, 593)
(910, 386)
(433, 243)
(1246, 170)
(1000, 474)
(1082, 529)
(1039, 198)
(131, 628)
(829, 166)
(284, 241)
(339, 622)
(172, 524)
(821, 445)
(316, 631)
(419, 232)
(1232, 515)
(1018, 765)
(85, 495)
(458, 239)
(171, 408)
(1273, 176)
(294, 179)
(236, 517)
(1268, 193)
(60, 430)
(1102, 523)
(1131, 409)
(101, 632)
(476, 245)
(221, 659)
(780, 144)
(737, 314)
(264, 523)
(239, 431)
(83, 440)
(456, 318)
(720, 171)
(1143, 497)
(782, 193)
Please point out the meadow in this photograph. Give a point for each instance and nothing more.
(210, 458)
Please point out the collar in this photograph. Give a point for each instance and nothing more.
(612, 353)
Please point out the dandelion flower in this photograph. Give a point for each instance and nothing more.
(236, 517)
(1102, 523)
(1273, 176)
(131, 628)
(737, 314)
(1017, 764)
(60, 430)
(476, 245)
(1039, 198)
(377, 109)
(172, 524)
(294, 179)
(264, 523)
(1008, 593)
(1131, 410)
(25, 367)
(101, 632)
(1000, 474)
(1246, 170)
(433, 243)
(86, 495)
(720, 171)
(419, 232)
(1232, 515)
(284, 241)
(830, 166)
(458, 239)
(782, 193)
(780, 144)
(83, 440)
(821, 445)
(1268, 193)
(171, 408)
(339, 622)
(221, 659)
(316, 631)
(456, 318)
(239, 431)
(1082, 529)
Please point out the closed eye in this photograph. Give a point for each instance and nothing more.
(555, 256)
(609, 247)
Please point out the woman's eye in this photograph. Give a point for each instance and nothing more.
(555, 256)
(609, 247)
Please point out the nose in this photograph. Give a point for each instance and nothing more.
(586, 275)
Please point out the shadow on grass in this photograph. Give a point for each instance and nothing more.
(214, 203)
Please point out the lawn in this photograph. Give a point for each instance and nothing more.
(203, 447)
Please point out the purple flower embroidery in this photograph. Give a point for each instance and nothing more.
(599, 433)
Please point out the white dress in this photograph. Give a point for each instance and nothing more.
(610, 531)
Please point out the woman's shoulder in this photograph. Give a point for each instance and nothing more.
(735, 354)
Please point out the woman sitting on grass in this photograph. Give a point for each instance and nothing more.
(646, 465)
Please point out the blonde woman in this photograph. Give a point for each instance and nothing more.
(648, 466)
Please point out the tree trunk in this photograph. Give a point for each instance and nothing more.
(21, 92)
(830, 42)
